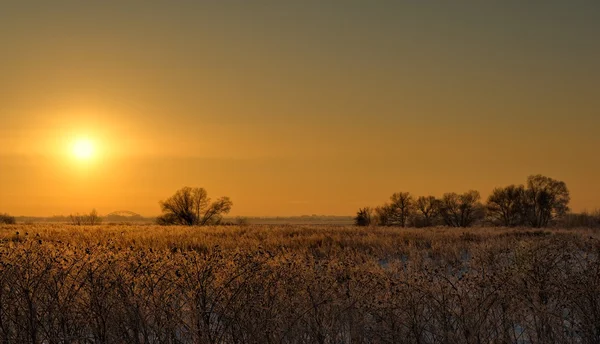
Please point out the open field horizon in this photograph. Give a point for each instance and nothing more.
(254, 220)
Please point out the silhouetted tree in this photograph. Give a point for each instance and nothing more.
(428, 209)
(401, 208)
(364, 217)
(461, 210)
(546, 199)
(506, 206)
(192, 207)
(382, 215)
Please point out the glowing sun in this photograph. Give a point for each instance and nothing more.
(83, 149)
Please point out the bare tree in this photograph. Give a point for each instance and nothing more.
(212, 215)
(506, 206)
(192, 207)
(94, 218)
(428, 209)
(546, 199)
(401, 208)
(461, 210)
(382, 215)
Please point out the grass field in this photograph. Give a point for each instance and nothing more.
(297, 284)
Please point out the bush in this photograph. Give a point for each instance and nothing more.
(580, 220)
(7, 219)
(242, 221)
(364, 217)
(90, 219)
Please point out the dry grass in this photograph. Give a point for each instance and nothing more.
(297, 284)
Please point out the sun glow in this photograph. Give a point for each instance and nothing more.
(83, 149)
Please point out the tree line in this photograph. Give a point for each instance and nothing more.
(542, 201)
(538, 203)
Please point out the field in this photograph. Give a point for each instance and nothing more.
(297, 284)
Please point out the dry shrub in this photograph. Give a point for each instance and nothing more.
(297, 284)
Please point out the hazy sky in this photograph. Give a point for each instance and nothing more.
(294, 107)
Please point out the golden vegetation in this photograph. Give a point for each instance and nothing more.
(297, 284)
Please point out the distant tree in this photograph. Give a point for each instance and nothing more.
(401, 208)
(364, 217)
(427, 209)
(7, 219)
(192, 207)
(580, 220)
(213, 214)
(90, 219)
(383, 215)
(506, 206)
(94, 218)
(461, 210)
(546, 199)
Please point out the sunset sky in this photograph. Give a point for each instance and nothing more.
(293, 107)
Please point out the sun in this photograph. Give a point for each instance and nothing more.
(83, 149)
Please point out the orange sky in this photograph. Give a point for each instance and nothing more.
(293, 108)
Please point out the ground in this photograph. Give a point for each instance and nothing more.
(298, 284)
